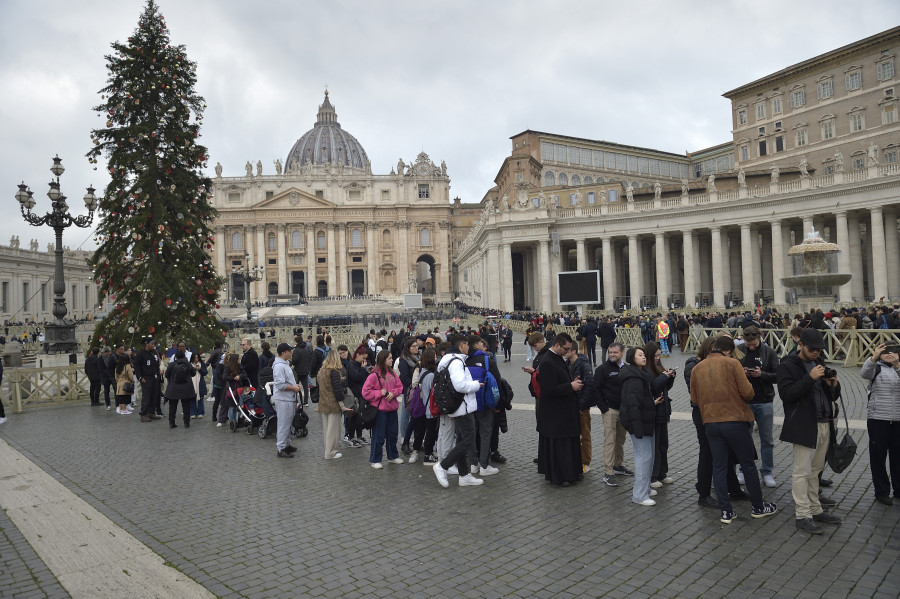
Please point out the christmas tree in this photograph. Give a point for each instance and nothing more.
(151, 264)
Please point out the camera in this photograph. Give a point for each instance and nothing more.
(830, 372)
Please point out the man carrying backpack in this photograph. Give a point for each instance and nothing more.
(464, 421)
(483, 369)
(180, 388)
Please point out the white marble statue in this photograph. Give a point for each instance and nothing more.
(401, 167)
(776, 174)
(629, 192)
(576, 201)
(838, 161)
(684, 187)
(278, 166)
(742, 179)
(259, 168)
(872, 155)
(411, 285)
(657, 190)
(33, 244)
(504, 203)
(711, 183)
(218, 169)
(443, 168)
(803, 166)
(249, 169)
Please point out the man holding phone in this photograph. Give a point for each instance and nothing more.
(760, 364)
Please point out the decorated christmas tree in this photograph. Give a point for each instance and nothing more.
(151, 264)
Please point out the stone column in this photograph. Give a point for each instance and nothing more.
(543, 280)
(342, 259)
(403, 257)
(747, 261)
(260, 260)
(445, 264)
(580, 263)
(609, 274)
(372, 260)
(662, 273)
(331, 259)
(495, 282)
(845, 292)
(718, 289)
(281, 242)
(507, 276)
(687, 255)
(856, 264)
(312, 285)
(879, 264)
(807, 225)
(778, 253)
(634, 272)
(892, 253)
(220, 252)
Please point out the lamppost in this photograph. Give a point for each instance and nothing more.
(60, 335)
(247, 274)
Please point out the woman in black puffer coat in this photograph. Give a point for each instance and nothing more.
(638, 416)
(180, 388)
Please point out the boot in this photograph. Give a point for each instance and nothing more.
(145, 418)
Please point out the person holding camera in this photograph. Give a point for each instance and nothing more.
(883, 419)
(809, 391)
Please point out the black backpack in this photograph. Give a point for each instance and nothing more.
(446, 397)
(182, 372)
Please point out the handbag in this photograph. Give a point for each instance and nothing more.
(128, 388)
(840, 453)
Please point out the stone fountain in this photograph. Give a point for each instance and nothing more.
(816, 277)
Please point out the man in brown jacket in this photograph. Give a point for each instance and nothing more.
(721, 390)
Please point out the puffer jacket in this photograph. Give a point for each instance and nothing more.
(637, 412)
(884, 397)
(331, 391)
(721, 389)
(175, 390)
(301, 359)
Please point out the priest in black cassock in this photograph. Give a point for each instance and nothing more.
(558, 424)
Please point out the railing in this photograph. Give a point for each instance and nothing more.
(857, 175)
(643, 205)
(567, 213)
(850, 347)
(822, 180)
(702, 198)
(729, 195)
(889, 169)
(53, 385)
(671, 203)
(617, 208)
(789, 186)
(759, 191)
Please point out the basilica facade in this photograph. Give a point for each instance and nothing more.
(324, 225)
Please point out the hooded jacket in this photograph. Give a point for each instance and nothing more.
(462, 381)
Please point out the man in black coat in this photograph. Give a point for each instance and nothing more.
(808, 397)
(250, 362)
(146, 371)
(760, 365)
(107, 365)
(607, 395)
(92, 366)
(589, 331)
(558, 424)
(607, 333)
(301, 360)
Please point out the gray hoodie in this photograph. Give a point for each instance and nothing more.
(884, 398)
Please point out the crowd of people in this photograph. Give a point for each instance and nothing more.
(388, 388)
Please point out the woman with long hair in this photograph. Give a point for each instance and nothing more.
(331, 403)
(233, 377)
(198, 378)
(638, 417)
(661, 381)
(407, 366)
(124, 375)
(383, 389)
(425, 427)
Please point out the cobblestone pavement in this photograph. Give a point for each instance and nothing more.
(222, 509)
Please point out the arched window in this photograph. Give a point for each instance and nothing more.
(273, 288)
(563, 179)
(271, 242)
(237, 241)
(588, 180)
(576, 180)
(425, 237)
(386, 238)
(296, 239)
(549, 179)
(323, 288)
(355, 238)
(320, 240)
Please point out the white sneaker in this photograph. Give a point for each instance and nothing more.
(122, 412)
(470, 481)
(488, 471)
(376, 465)
(655, 484)
(413, 457)
(337, 456)
(473, 469)
(668, 480)
(396, 461)
(453, 470)
(740, 477)
(218, 424)
(108, 408)
(653, 492)
(441, 475)
(646, 502)
(210, 399)
(769, 481)
(3, 420)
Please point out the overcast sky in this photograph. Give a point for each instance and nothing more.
(455, 79)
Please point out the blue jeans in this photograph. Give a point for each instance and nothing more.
(664, 346)
(643, 466)
(764, 414)
(197, 407)
(734, 435)
(385, 429)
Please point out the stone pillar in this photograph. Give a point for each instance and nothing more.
(506, 273)
(856, 263)
(807, 225)
(634, 272)
(403, 257)
(445, 264)
(342, 274)
(221, 250)
(331, 259)
(778, 253)
(727, 255)
(662, 272)
(495, 272)
(879, 264)
(260, 260)
(747, 260)
(687, 255)
(581, 263)
(892, 253)
(312, 284)
(543, 280)
(718, 290)
(609, 274)
(281, 242)
(845, 291)
(372, 260)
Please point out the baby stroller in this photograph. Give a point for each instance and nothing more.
(298, 425)
(247, 413)
(264, 398)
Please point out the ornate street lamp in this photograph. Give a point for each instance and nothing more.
(60, 335)
(247, 274)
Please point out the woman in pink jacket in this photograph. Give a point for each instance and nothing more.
(384, 390)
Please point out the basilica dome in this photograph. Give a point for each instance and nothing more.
(327, 143)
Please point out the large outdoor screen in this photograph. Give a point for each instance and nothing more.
(578, 287)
